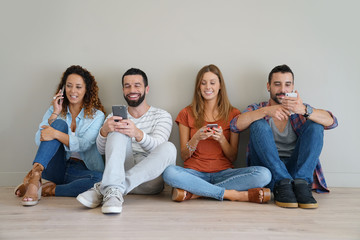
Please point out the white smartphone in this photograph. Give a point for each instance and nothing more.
(291, 94)
(211, 126)
(62, 93)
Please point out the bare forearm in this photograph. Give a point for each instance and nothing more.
(246, 119)
(192, 144)
(230, 152)
(62, 137)
(321, 117)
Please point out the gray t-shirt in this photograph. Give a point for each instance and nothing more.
(285, 141)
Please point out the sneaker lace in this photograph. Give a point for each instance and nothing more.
(113, 192)
(96, 188)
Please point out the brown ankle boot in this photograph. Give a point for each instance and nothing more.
(34, 181)
(48, 189)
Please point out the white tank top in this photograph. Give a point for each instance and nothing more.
(75, 154)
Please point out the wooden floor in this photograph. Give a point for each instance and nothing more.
(157, 217)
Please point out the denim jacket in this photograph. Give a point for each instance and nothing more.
(83, 142)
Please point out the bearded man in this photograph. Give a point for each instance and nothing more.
(136, 149)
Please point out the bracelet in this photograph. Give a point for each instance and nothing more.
(51, 121)
(191, 149)
(55, 114)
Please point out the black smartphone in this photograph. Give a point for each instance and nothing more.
(120, 111)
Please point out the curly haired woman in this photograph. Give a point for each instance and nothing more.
(67, 155)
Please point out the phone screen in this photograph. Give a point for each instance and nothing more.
(62, 93)
(211, 126)
(120, 111)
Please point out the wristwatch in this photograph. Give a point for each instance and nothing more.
(308, 111)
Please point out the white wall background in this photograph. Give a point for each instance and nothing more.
(171, 41)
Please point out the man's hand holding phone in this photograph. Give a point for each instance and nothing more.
(294, 103)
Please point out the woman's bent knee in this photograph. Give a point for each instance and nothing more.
(264, 175)
(60, 125)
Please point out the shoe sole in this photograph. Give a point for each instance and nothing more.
(287, 205)
(87, 203)
(308, 205)
(111, 209)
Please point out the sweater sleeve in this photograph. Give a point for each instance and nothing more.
(160, 134)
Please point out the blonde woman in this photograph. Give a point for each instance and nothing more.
(209, 149)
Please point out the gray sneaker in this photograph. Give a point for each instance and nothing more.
(92, 198)
(113, 201)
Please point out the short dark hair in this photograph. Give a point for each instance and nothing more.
(135, 71)
(281, 68)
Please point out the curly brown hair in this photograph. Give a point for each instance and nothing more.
(91, 100)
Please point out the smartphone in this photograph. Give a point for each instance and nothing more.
(211, 126)
(120, 111)
(292, 94)
(62, 93)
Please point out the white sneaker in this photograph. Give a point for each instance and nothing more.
(113, 201)
(92, 198)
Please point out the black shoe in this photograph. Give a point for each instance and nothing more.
(284, 195)
(303, 193)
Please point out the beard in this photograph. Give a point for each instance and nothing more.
(274, 97)
(136, 103)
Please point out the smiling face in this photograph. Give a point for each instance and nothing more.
(209, 86)
(75, 89)
(134, 90)
(281, 83)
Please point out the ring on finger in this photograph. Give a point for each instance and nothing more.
(54, 97)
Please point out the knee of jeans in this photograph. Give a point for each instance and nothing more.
(169, 172)
(97, 176)
(314, 127)
(265, 176)
(170, 150)
(116, 136)
(60, 125)
(259, 125)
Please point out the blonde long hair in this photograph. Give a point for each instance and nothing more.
(198, 105)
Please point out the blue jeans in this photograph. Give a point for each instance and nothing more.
(71, 177)
(301, 164)
(213, 185)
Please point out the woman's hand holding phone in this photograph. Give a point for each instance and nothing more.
(217, 133)
(203, 133)
(58, 100)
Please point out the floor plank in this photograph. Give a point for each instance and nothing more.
(157, 217)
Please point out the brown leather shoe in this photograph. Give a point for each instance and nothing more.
(48, 189)
(179, 195)
(32, 198)
(256, 196)
(20, 190)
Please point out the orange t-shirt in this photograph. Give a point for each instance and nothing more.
(208, 156)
